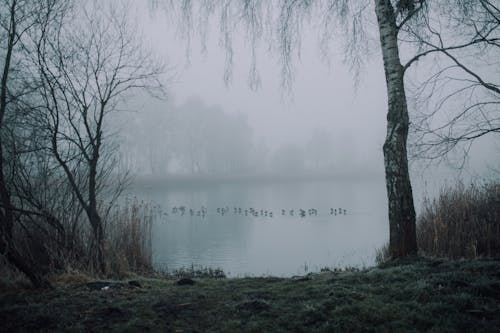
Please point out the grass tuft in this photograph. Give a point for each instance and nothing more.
(70, 277)
(195, 272)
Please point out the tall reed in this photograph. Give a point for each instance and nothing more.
(463, 221)
(128, 237)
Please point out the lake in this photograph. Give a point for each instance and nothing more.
(280, 228)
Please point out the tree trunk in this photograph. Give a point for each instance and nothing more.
(22, 264)
(98, 251)
(403, 241)
(7, 219)
(7, 243)
(93, 214)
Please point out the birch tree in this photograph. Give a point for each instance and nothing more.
(281, 22)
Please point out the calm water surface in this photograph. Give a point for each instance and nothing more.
(281, 245)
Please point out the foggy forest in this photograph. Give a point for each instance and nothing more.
(156, 154)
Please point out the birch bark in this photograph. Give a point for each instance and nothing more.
(402, 240)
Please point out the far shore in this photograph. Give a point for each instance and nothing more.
(207, 179)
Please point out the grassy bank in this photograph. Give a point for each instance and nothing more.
(416, 295)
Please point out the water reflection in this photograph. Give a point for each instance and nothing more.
(280, 228)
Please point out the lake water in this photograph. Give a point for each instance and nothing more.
(248, 228)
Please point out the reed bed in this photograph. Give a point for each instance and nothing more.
(128, 237)
(462, 222)
(66, 255)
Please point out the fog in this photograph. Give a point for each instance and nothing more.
(250, 137)
(323, 116)
(242, 147)
(258, 137)
(328, 122)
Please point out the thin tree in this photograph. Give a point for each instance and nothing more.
(87, 64)
(282, 21)
(18, 21)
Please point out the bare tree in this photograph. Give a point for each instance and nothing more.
(18, 20)
(398, 22)
(88, 63)
(459, 101)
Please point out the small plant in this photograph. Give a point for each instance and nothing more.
(337, 270)
(198, 272)
(382, 254)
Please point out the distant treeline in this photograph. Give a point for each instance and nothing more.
(196, 139)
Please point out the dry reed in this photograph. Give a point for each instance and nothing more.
(463, 222)
(128, 238)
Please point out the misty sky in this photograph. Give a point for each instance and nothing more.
(323, 96)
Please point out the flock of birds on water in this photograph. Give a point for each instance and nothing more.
(252, 212)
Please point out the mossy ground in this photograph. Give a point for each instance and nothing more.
(414, 295)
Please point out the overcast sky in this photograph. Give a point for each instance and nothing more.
(322, 97)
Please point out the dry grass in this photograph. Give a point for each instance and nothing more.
(67, 260)
(70, 277)
(418, 295)
(128, 238)
(11, 278)
(463, 222)
(382, 254)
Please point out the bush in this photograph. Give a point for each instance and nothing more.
(60, 252)
(463, 222)
(11, 278)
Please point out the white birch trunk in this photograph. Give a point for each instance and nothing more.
(401, 210)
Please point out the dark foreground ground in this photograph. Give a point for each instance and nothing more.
(416, 295)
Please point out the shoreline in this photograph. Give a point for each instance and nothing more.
(414, 294)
